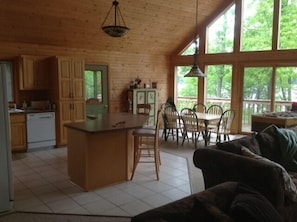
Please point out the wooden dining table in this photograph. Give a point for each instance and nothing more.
(207, 118)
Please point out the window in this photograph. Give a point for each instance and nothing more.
(93, 84)
(288, 20)
(256, 93)
(286, 88)
(187, 88)
(191, 49)
(219, 85)
(257, 21)
(221, 33)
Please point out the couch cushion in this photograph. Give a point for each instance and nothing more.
(206, 212)
(234, 146)
(251, 206)
(289, 185)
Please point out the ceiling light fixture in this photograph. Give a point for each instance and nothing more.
(195, 70)
(115, 30)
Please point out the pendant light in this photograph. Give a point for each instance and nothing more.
(116, 29)
(195, 70)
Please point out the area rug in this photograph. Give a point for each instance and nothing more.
(46, 217)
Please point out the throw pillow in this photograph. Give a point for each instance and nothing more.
(288, 144)
(289, 186)
(250, 206)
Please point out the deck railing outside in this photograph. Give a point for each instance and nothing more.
(250, 107)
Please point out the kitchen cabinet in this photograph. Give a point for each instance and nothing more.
(68, 93)
(33, 73)
(144, 96)
(18, 132)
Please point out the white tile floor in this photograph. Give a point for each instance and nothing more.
(41, 184)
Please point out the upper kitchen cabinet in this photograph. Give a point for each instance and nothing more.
(33, 73)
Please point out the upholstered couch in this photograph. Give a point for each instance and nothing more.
(226, 202)
(266, 161)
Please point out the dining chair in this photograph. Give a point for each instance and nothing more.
(146, 146)
(172, 123)
(215, 109)
(92, 108)
(93, 101)
(224, 125)
(191, 124)
(200, 107)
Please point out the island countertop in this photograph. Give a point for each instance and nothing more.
(109, 122)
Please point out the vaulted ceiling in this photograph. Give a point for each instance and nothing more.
(156, 26)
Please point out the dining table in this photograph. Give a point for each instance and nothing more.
(207, 118)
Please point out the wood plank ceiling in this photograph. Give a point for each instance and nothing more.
(156, 26)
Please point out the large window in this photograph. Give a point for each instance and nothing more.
(257, 21)
(220, 34)
(265, 77)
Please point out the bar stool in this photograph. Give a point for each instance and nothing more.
(146, 146)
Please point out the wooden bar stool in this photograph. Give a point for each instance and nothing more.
(146, 146)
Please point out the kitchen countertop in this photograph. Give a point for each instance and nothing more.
(22, 111)
(109, 122)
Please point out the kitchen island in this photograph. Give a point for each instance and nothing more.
(100, 150)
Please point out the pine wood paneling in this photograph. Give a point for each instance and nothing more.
(122, 69)
(157, 27)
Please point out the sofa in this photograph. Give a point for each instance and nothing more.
(251, 179)
(226, 202)
(265, 161)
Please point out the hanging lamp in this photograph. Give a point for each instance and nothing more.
(116, 29)
(195, 70)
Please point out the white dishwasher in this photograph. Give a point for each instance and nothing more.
(41, 130)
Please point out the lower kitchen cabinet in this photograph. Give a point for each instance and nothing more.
(68, 112)
(18, 132)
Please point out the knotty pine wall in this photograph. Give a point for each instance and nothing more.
(122, 69)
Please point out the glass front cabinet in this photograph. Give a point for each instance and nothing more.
(144, 96)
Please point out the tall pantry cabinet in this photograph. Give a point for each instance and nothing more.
(144, 96)
(68, 93)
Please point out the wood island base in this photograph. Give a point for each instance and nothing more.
(100, 151)
(97, 160)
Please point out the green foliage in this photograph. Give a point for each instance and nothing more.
(288, 20)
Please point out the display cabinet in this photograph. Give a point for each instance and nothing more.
(144, 96)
